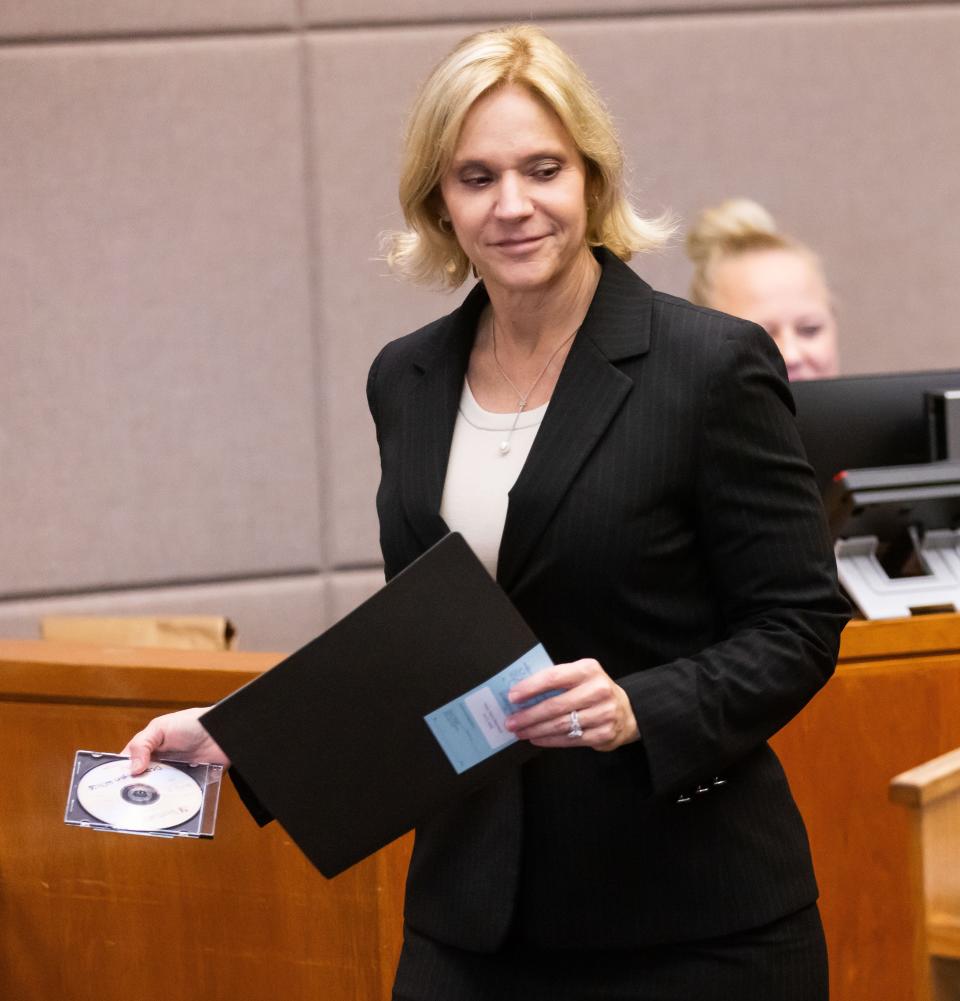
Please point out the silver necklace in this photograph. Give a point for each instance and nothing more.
(504, 446)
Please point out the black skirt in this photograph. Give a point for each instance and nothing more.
(785, 960)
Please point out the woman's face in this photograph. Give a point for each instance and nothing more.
(784, 292)
(515, 193)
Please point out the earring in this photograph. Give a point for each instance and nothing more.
(444, 224)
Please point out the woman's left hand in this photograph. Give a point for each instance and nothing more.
(587, 697)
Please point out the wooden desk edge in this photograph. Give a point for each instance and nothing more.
(927, 782)
(31, 669)
(921, 635)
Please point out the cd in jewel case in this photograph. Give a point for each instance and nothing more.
(170, 799)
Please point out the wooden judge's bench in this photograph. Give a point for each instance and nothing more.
(86, 916)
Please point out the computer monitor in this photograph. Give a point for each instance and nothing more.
(866, 421)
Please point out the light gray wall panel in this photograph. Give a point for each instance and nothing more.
(156, 382)
(278, 614)
(66, 18)
(349, 12)
(843, 124)
(157, 366)
(355, 160)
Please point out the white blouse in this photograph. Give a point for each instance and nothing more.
(479, 475)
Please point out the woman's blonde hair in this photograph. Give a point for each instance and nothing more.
(427, 252)
(734, 227)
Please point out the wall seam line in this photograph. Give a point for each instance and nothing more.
(308, 134)
(304, 26)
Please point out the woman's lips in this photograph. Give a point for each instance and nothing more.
(519, 245)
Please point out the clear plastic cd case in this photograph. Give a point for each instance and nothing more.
(171, 799)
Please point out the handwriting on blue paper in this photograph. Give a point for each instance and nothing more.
(471, 728)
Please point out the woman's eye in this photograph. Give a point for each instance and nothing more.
(809, 330)
(476, 180)
(547, 171)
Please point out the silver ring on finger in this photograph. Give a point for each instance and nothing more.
(576, 730)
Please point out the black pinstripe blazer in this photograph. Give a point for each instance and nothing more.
(666, 523)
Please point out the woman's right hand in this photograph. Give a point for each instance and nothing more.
(180, 734)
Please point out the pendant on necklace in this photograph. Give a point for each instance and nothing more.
(504, 446)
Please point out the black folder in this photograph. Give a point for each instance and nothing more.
(333, 741)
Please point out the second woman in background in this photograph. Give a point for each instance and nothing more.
(744, 266)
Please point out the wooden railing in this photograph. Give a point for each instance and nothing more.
(99, 916)
(893, 703)
(87, 915)
(931, 792)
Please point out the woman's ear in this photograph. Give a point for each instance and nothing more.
(438, 209)
(591, 188)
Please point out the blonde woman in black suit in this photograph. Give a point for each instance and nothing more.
(627, 466)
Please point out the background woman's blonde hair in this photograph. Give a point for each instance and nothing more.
(734, 227)
(524, 55)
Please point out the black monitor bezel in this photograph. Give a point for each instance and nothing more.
(867, 421)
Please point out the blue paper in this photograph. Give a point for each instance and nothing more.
(471, 727)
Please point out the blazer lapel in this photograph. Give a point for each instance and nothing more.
(428, 428)
(590, 391)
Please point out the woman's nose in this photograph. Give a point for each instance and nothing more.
(512, 202)
(789, 345)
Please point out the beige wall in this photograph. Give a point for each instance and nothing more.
(190, 197)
